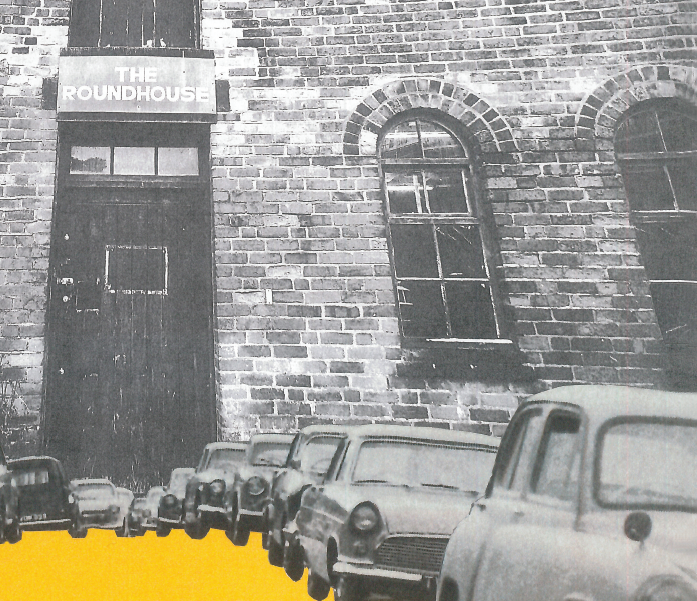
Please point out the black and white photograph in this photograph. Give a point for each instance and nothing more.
(371, 300)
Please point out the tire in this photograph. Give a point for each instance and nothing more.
(77, 531)
(349, 589)
(237, 534)
(293, 563)
(162, 529)
(196, 531)
(13, 534)
(317, 588)
(275, 552)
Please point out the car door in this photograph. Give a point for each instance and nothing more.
(533, 553)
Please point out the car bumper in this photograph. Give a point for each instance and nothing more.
(346, 568)
(251, 519)
(57, 524)
(171, 522)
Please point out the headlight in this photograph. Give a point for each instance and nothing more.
(669, 588)
(256, 486)
(365, 517)
(217, 488)
(169, 501)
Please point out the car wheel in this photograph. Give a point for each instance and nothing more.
(13, 534)
(162, 530)
(349, 589)
(196, 531)
(275, 552)
(317, 588)
(237, 534)
(77, 531)
(293, 561)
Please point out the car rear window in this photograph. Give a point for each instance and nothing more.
(32, 477)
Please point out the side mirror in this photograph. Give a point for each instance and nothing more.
(637, 526)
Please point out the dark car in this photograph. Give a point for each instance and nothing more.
(381, 519)
(45, 498)
(593, 497)
(170, 512)
(205, 491)
(308, 461)
(134, 519)
(246, 501)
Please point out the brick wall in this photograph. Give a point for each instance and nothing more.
(306, 311)
(31, 35)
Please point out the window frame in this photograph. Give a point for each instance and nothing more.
(478, 215)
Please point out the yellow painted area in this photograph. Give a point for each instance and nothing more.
(51, 566)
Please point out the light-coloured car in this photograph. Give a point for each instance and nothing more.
(150, 508)
(125, 498)
(97, 505)
(170, 512)
(380, 520)
(593, 497)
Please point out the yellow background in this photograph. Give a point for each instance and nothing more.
(51, 566)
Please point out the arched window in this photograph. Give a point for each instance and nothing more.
(656, 148)
(440, 248)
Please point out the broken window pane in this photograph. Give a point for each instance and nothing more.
(648, 188)
(177, 161)
(414, 251)
(675, 311)
(402, 142)
(90, 159)
(421, 309)
(134, 160)
(669, 249)
(460, 248)
(404, 192)
(446, 192)
(471, 309)
(438, 143)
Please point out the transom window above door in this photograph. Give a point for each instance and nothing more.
(440, 247)
(134, 160)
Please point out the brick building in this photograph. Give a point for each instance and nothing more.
(415, 211)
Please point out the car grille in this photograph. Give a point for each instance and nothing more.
(412, 553)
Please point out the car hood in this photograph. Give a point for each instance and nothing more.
(413, 510)
(96, 504)
(248, 471)
(216, 474)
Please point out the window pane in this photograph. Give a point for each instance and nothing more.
(404, 192)
(90, 159)
(414, 251)
(679, 130)
(676, 311)
(446, 192)
(421, 309)
(438, 143)
(471, 310)
(460, 248)
(639, 133)
(402, 142)
(557, 474)
(134, 160)
(669, 250)
(683, 175)
(648, 188)
(177, 161)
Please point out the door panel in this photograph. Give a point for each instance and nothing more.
(129, 392)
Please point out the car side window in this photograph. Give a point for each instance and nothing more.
(336, 462)
(558, 462)
(516, 444)
(293, 451)
(204, 461)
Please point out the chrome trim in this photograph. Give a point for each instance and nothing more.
(211, 509)
(249, 512)
(43, 522)
(346, 568)
(169, 521)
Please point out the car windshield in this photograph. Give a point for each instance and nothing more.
(317, 454)
(648, 464)
(423, 464)
(154, 494)
(225, 458)
(177, 483)
(272, 454)
(94, 491)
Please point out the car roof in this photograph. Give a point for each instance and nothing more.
(601, 402)
(183, 470)
(91, 481)
(423, 433)
(272, 437)
(32, 460)
(238, 446)
(326, 429)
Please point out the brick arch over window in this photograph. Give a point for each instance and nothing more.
(483, 121)
(602, 109)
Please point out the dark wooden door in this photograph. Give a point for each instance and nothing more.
(129, 384)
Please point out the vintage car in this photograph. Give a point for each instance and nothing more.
(203, 502)
(45, 498)
(10, 525)
(148, 520)
(134, 520)
(380, 521)
(125, 497)
(246, 501)
(308, 461)
(593, 497)
(170, 511)
(97, 506)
